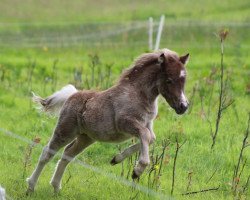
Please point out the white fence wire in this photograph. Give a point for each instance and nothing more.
(125, 33)
(178, 23)
(95, 169)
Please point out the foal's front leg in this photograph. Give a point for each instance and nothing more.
(144, 160)
(126, 153)
(136, 129)
(150, 128)
(133, 148)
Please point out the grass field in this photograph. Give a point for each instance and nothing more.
(45, 45)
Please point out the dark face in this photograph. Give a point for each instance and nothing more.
(172, 82)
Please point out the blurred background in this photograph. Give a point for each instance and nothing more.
(70, 30)
(90, 24)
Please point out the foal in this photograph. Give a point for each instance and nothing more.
(123, 111)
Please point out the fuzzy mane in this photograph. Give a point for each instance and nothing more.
(144, 61)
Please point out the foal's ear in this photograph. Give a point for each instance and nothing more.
(161, 59)
(184, 59)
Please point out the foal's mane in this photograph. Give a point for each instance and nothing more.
(144, 61)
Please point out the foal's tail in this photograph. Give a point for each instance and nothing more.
(54, 102)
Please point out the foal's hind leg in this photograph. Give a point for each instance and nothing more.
(64, 133)
(72, 150)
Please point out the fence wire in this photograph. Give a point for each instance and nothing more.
(195, 33)
(95, 169)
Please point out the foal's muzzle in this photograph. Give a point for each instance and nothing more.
(181, 108)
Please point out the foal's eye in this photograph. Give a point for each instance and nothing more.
(169, 81)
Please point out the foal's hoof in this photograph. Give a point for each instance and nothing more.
(113, 161)
(56, 186)
(29, 191)
(56, 190)
(135, 176)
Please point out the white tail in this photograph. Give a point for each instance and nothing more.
(54, 103)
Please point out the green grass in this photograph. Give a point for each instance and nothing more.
(115, 11)
(190, 27)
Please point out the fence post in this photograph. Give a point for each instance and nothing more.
(2, 193)
(150, 34)
(158, 38)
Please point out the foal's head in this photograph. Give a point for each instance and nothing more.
(172, 79)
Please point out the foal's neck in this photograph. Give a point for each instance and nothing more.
(143, 78)
(145, 84)
(147, 89)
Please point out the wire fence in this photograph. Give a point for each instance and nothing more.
(95, 169)
(68, 35)
(178, 23)
(133, 33)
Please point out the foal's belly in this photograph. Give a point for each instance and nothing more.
(107, 137)
(100, 126)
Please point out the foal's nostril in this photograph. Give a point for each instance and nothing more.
(183, 106)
